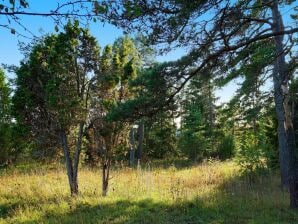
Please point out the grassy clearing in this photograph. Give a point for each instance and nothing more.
(207, 193)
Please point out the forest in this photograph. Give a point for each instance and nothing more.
(111, 133)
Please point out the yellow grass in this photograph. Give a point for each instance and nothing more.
(208, 193)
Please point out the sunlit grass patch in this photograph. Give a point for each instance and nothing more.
(206, 193)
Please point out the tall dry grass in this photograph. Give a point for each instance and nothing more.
(207, 193)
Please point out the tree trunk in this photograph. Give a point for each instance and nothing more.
(73, 184)
(77, 156)
(295, 118)
(132, 156)
(140, 140)
(132, 147)
(286, 132)
(105, 177)
(282, 140)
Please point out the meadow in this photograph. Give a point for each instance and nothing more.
(211, 192)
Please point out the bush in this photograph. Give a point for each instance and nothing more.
(251, 156)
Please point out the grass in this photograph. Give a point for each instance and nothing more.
(207, 193)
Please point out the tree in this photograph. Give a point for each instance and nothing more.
(5, 120)
(192, 141)
(53, 91)
(213, 40)
(199, 129)
(253, 105)
(4, 99)
(160, 139)
(119, 66)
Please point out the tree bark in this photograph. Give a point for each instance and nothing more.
(72, 166)
(282, 140)
(286, 134)
(132, 147)
(140, 140)
(73, 184)
(77, 155)
(105, 177)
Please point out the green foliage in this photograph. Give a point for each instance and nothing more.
(268, 130)
(5, 101)
(258, 150)
(119, 65)
(5, 120)
(226, 147)
(250, 113)
(150, 91)
(251, 156)
(193, 145)
(192, 141)
(200, 132)
(11, 141)
(160, 140)
(52, 92)
(5, 143)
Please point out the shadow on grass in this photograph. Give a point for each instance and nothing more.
(6, 208)
(147, 211)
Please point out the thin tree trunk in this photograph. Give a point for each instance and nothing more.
(105, 177)
(132, 156)
(140, 140)
(69, 167)
(286, 132)
(77, 156)
(132, 147)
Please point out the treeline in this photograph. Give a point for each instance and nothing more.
(73, 100)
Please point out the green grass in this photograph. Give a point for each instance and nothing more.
(206, 193)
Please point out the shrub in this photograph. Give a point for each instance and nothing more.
(251, 156)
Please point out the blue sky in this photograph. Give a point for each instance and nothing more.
(105, 33)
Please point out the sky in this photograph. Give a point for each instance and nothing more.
(105, 34)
